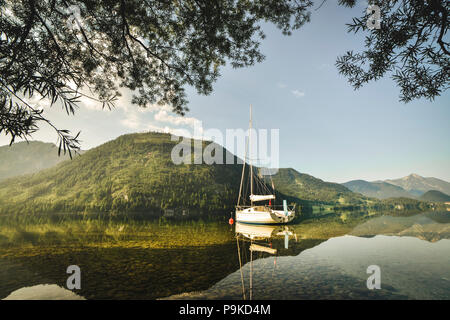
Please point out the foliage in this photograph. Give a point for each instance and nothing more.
(409, 45)
(64, 50)
(400, 204)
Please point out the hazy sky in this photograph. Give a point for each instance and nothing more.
(327, 129)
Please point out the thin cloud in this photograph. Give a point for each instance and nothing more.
(164, 116)
(298, 93)
(131, 120)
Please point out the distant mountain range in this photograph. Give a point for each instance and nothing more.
(418, 185)
(28, 157)
(412, 186)
(380, 190)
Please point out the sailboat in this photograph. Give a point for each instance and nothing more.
(260, 209)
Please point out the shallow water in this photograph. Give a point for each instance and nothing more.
(321, 259)
(336, 269)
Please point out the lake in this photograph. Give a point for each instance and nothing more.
(131, 258)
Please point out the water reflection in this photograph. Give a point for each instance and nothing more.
(259, 239)
(430, 226)
(316, 259)
(412, 253)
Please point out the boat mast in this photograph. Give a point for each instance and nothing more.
(243, 169)
(251, 270)
(250, 153)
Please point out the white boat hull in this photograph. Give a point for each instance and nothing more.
(254, 231)
(250, 215)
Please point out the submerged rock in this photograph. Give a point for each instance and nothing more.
(43, 292)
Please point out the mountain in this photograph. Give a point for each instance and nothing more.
(135, 173)
(419, 185)
(435, 196)
(380, 190)
(28, 157)
(306, 187)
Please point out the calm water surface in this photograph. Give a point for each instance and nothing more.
(134, 259)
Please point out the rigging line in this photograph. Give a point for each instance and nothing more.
(256, 183)
(263, 182)
(245, 194)
(263, 186)
(243, 171)
(273, 186)
(273, 190)
(240, 268)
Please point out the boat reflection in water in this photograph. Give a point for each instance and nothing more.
(259, 239)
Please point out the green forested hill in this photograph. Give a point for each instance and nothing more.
(435, 196)
(23, 158)
(306, 187)
(131, 173)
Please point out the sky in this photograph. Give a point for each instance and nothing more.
(327, 129)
